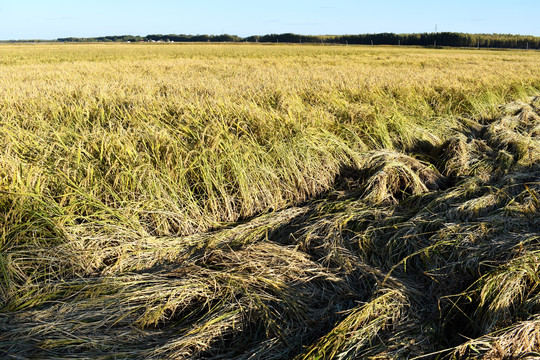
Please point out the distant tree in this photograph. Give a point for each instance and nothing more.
(450, 39)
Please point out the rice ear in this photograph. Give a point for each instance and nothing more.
(392, 176)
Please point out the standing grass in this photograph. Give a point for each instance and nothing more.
(177, 139)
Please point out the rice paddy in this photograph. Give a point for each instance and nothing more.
(212, 201)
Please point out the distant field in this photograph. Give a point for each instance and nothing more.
(273, 201)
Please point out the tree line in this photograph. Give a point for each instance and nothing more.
(451, 39)
(157, 37)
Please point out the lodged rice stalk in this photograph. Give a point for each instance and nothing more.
(272, 202)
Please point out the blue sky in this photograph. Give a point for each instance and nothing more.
(50, 19)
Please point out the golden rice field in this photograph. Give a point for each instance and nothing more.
(252, 201)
